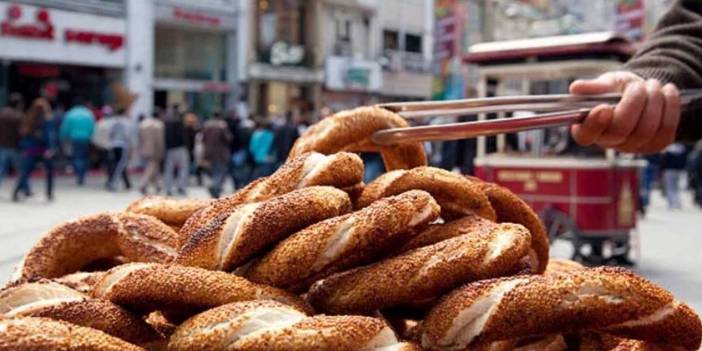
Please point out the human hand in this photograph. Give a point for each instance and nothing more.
(644, 121)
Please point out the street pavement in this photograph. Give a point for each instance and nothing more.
(670, 245)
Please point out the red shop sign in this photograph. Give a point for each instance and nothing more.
(196, 17)
(42, 28)
(111, 41)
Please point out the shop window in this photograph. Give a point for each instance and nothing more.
(190, 54)
(391, 40)
(413, 43)
(343, 29)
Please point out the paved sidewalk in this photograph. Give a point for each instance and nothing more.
(670, 240)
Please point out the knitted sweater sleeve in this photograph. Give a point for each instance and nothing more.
(673, 54)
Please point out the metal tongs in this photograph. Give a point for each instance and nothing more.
(560, 110)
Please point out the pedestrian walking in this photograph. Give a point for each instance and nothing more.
(10, 121)
(284, 138)
(77, 128)
(695, 168)
(152, 146)
(101, 141)
(191, 124)
(261, 149)
(242, 162)
(649, 174)
(176, 153)
(217, 137)
(37, 144)
(120, 139)
(673, 167)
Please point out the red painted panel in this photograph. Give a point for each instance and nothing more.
(599, 200)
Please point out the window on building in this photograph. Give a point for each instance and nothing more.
(343, 29)
(413, 43)
(391, 40)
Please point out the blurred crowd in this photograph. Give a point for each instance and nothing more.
(175, 147)
(170, 148)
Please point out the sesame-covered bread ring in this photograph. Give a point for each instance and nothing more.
(351, 130)
(35, 334)
(170, 210)
(232, 239)
(510, 208)
(80, 281)
(424, 273)
(436, 232)
(53, 300)
(457, 195)
(605, 299)
(150, 286)
(339, 170)
(344, 242)
(72, 245)
(269, 325)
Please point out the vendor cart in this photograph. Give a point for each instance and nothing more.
(585, 196)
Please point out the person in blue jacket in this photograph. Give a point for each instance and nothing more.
(77, 128)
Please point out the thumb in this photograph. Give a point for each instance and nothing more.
(600, 85)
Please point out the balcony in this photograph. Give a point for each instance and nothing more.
(395, 60)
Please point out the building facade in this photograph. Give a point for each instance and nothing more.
(281, 71)
(183, 52)
(406, 48)
(61, 49)
(166, 51)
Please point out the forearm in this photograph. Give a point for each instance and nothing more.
(672, 55)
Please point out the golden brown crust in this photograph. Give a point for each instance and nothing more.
(233, 239)
(80, 281)
(351, 131)
(35, 334)
(441, 231)
(149, 287)
(340, 170)
(344, 242)
(562, 265)
(170, 210)
(510, 208)
(72, 245)
(613, 300)
(457, 195)
(267, 325)
(423, 273)
(52, 300)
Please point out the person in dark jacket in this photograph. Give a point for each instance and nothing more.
(176, 152)
(242, 160)
(284, 138)
(10, 121)
(37, 143)
(216, 137)
(649, 118)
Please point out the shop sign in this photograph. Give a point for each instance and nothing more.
(343, 73)
(630, 19)
(196, 17)
(287, 54)
(32, 33)
(111, 41)
(41, 28)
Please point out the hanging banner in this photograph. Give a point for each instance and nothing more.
(449, 22)
(631, 19)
